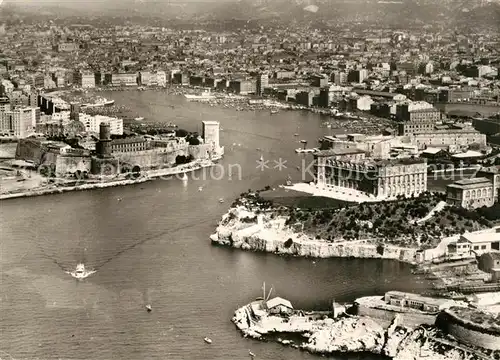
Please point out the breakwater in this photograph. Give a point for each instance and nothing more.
(148, 176)
(63, 189)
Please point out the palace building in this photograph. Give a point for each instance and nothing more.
(383, 179)
(471, 193)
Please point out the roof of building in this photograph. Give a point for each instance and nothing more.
(482, 237)
(468, 154)
(424, 110)
(431, 150)
(129, 140)
(375, 93)
(417, 297)
(492, 169)
(278, 301)
(472, 181)
(338, 152)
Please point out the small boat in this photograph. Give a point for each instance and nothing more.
(274, 111)
(80, 272)
(295, 134)
(207, 340)
(251, 353)
(221, 200)
(149, 308)
(200, 188)
(184, 177)
(140, 118)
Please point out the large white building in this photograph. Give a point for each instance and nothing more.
(454, 138)
(210, 135)
(92, 123)
(19, 122)
(148, 78)
(124, 79)
(84, 79)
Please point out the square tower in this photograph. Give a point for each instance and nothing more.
(211, 133)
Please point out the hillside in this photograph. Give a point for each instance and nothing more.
(472, 13)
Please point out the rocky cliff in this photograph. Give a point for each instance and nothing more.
(349, 334)
(244, 229)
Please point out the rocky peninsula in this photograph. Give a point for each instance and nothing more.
(381, 231)
(341, 331)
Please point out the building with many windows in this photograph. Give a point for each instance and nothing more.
(383, 179)
(92, 123)
(262, 83)
(458, 138)
(84, 79)
(124, 79)
(20, 122)
(471, 193)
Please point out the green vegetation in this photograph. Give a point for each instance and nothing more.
(393, 222)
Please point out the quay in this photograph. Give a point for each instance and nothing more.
(100, 184)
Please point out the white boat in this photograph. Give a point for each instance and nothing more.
(80, 272)
(207, 340)
(221, 200)
(102, 102)
(251, 353)
(296, 134)
(200, 188)
(274, 111)
(184, 177)
(149, 308)
(204, 96)
(305, 151)
(140, 118)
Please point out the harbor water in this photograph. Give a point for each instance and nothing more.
(150, 245)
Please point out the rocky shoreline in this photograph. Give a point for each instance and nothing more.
(246, 230)
(324, 335)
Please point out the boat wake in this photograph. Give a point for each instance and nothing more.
(80, 272)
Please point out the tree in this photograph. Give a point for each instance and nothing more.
(193, 140)
(181, 133)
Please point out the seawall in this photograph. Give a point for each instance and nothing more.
(467, 331)
(151, 175)
(60, 190)
(385, 317)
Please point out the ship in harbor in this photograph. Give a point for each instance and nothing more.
(99, 103)
(204, 96)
